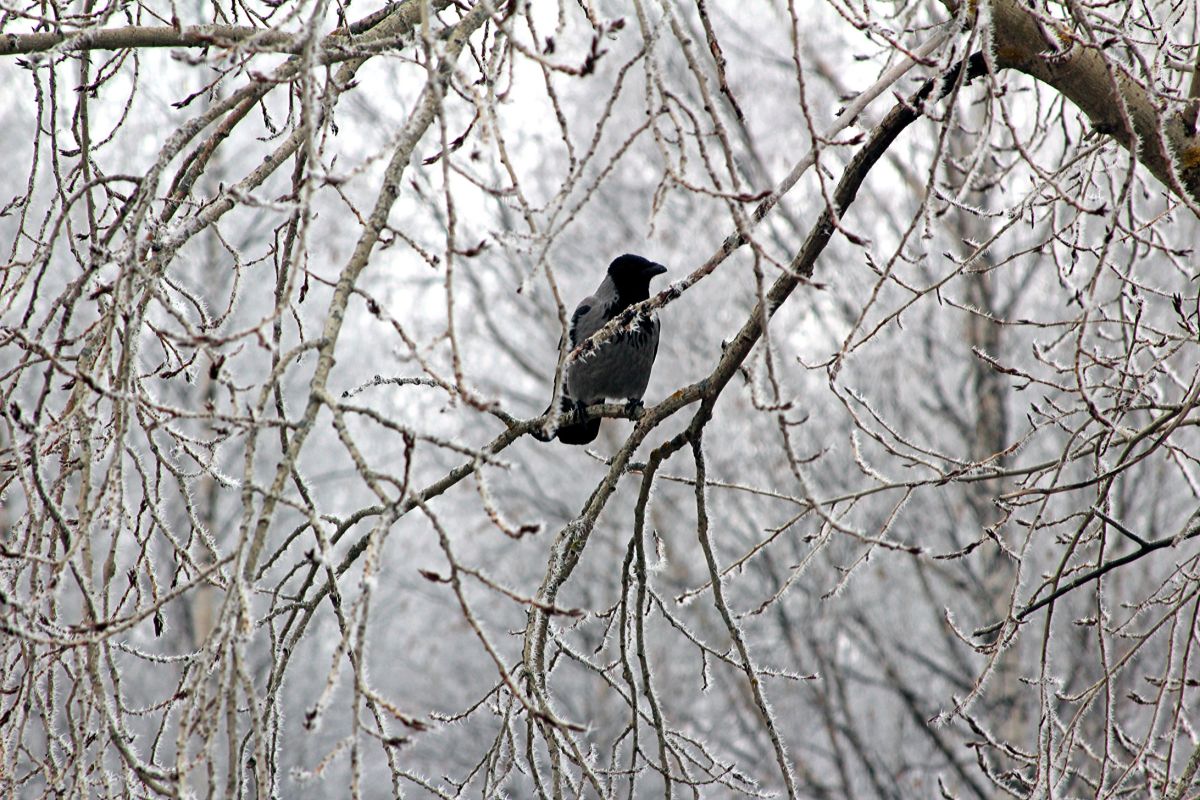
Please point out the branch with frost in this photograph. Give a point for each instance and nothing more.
(1190, 530)
(130, 37)
(736, 635)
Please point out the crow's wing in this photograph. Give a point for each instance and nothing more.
(588, 318)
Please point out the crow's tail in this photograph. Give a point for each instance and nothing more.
(579, 432)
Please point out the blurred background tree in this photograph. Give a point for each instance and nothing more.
(911, 511)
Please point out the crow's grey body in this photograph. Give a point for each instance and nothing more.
(618, 369)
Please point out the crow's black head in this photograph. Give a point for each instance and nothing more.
(631, 274)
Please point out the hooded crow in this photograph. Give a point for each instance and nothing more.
(618, 369)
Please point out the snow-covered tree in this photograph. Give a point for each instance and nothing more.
(911, 509)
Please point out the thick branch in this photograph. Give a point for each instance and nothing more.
(1116, 105)
(144, 36)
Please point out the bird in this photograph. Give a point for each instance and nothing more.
(619, 368)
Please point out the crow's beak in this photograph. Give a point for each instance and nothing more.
(655, 269)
